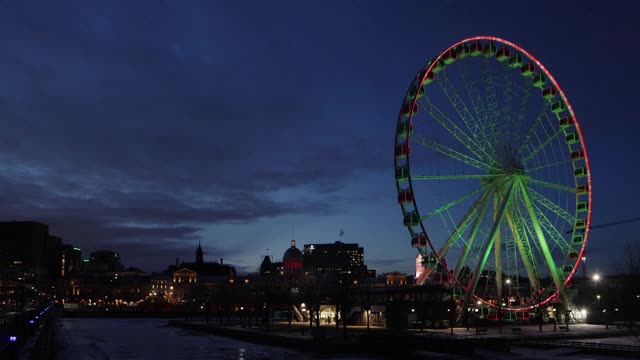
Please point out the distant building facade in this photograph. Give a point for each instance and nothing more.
(335, 259)
(28, 251)
(161, 286)
(202, 268)
(188, 279)
(71, 261)
(103, 261)
(270, 268)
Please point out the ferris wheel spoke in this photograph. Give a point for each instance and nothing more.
(492, 99)
(536, 150)
(553, 232)
(453, 177)
(551, 185)
(546, 253)
(507, 95)
(521, 114)
(464, 224)
(524, 249)
(452, 128)
(463, 112)
(449, 205)
(544, 201)
(532, 130)
(546, 166)
(442, 149)
(489, 244)
(477, 103)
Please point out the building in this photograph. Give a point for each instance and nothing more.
(185, 275)
(397, 279)
(71, 261)
(27, 249)
(191, 280)
(161, 286)
(202, 268)
(105, 288)
(270, 268)
(52, 258)
(103, 261)
(335, 259)
(293, 260)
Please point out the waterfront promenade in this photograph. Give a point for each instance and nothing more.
(462, 342)
(81, 338)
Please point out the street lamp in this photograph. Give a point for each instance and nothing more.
(596, 277)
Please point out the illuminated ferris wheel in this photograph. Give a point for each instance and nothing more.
(492, 175)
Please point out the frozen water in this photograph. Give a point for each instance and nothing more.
(101, 339)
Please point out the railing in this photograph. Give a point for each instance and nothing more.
(18, 329)
(599, 347)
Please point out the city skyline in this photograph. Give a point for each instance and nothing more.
(145, 128)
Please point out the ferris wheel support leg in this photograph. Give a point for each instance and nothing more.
(474, 230)
(525, 252)
(487, 247)
(462, 226)
(553, 269)
(496, 250)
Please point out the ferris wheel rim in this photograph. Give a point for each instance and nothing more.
(413, 103)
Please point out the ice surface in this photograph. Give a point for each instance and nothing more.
(101, 339)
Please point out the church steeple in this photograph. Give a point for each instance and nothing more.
(199, 254)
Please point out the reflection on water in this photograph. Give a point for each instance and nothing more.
(81, 338)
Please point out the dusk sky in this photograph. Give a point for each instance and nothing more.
(146, 126)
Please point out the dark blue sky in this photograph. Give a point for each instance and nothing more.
(146, 126)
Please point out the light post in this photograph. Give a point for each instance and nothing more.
(596, 278)
(368, 314)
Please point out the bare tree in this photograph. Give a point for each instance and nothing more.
(632, 258)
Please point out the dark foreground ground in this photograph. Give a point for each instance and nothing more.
(464, 342)
(156, 338)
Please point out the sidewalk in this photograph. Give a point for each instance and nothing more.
(532, 332)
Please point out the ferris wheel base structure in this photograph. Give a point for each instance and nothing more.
(491, 168)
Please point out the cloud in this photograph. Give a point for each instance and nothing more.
(384, 265)
(143, 136)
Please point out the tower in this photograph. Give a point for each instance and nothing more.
(199, 255)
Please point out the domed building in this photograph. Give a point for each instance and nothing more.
(292, 260)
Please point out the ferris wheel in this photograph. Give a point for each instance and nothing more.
(492, 175)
